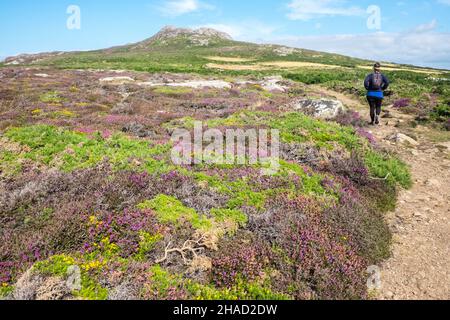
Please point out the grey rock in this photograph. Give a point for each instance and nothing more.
(138, 130)
(402, 139)
(319, 108)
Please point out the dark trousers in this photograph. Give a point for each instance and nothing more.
(375, 107)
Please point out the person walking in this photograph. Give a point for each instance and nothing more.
(376, 83)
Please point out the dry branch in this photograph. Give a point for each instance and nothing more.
(193, 247)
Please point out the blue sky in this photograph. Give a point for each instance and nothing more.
(410, 31)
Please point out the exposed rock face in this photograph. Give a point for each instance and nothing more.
(117, 80)
(198, 37)
(285, 51)
(30, 58)
(274, 83)
(403, 139)
(196, 84)
(320, 108)
(169, 32)
(138, 130)
(270, 83)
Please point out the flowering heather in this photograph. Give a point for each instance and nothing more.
(5, 271)
(352, 168)
(99, 191)
(315, 256)
(122, 229)
(365, 134)
(232, 262)
(106, 134)
(402, 103)
(117, 119)
(140, 180)
(350, 118)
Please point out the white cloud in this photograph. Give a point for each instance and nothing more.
(310, 9)
(426, 27)
(176, 8)
(446, 2)
(251, 30)
(419, 46)
(412, 47)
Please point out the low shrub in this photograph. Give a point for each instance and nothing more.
(402, 103)
(235, 260)
(389, 168)
(314, 261)
(170, 210)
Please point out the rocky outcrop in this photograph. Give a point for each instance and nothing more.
(198, 37)
(170, 32)
(319, 108)
(402, 139)
(274, 83)
(116, 80)
(30, 58)
(196, 84)
(138, 130)
(286, 51)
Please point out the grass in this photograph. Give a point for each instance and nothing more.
(116, 243)
(147, 244)
(172, 91)
(163, 282)
(69, 151)
(222, 215)
(170, 210)
(52, 97)
(179, 55)
(390, 168)
(59, 266)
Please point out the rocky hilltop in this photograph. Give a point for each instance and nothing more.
(195, 37)
(30, 58)
(169, 32)
(199, 37)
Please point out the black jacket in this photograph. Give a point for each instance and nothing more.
(368, 83)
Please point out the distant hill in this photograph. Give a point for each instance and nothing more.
(204, 51)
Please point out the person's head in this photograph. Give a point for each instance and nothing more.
(377, 67)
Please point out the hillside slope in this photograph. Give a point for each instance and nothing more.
(423, 92)
(87, 182)
(89, 188)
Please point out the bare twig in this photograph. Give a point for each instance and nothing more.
(383, 179)
(190, 246)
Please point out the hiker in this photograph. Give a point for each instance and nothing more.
(375, 84)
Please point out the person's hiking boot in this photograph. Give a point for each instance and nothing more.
(377, 120)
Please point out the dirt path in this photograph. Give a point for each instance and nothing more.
(420, 264)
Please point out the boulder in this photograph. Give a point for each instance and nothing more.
(319, 108)
(273, 83)
(138, 130)
(403, 139)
